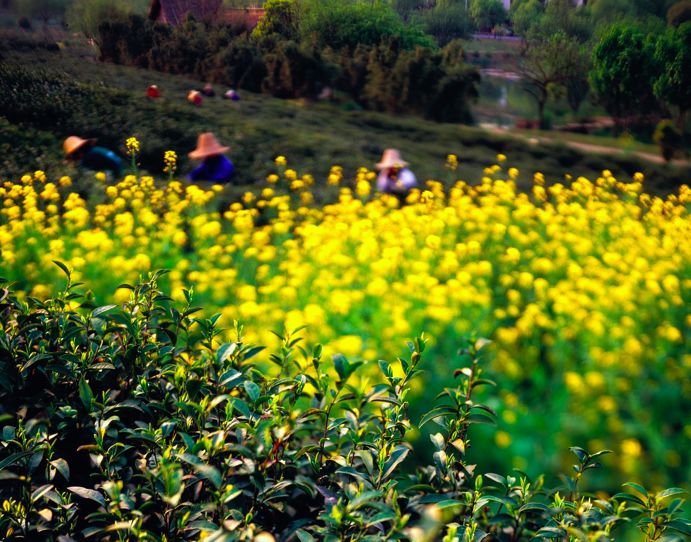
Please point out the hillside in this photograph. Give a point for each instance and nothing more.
(312, 135)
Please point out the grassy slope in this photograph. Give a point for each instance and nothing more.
(313, 136)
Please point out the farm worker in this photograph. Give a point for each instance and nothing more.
(394, 177)
(194, 97)
(153, 92)
(231, 95)
(215, 166)
(208, 90)
(89, 156)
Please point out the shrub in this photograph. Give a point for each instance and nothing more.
(280, 19)
(445, 23)
(131, 422)
(340, 24)
(668, 138)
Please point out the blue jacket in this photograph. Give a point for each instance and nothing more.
(102, 159)
(215, 168)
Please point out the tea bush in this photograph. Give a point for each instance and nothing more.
(132, 422)
(583, 287)
(413, 79)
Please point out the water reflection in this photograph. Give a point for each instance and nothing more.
(503, 99)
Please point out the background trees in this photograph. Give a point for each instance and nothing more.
(486, 14)
(673, 57)
(623, 72)
(550, 63)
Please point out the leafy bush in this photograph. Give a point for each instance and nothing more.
(338, 24)
(293, 69)
(445, 23)
(131, 423)
(486, 14)
(281, 20)
(668, 138)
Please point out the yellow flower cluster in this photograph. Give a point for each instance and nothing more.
(170, 162)
(586, 283)
(132, 145)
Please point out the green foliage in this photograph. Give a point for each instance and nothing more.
(85, 16)
(281, 19)
(434, 83)
(524, 14)
(290, 69)
(338, 24)
(673, 56)
(550, 64)
(486, 14)
(293, 71)
(258, 128)
(668, 138)
(130, 423)
(624, 72)
(42, 9)
(445, 23)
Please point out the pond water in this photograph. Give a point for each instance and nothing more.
(504, 100)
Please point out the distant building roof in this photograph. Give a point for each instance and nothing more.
(174, 11)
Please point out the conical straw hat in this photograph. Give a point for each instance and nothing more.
(74, 143)
(207, 145)
(391, 158)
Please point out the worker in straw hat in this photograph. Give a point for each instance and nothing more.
(215, 166)
(86, 154)
(394, 176)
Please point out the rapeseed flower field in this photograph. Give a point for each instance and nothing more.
(583, 286)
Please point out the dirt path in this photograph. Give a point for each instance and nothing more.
(590, 148)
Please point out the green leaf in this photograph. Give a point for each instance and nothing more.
(449, 503)
(680, 525)
(209, 472)
(385, 368)
(252, 352)
(496, 478)
(629, 497)
(534, 507)
(231, 378)
(304, 536)
(252, 390)
(8, 432)
(341, 366)
(12, 459)
(481, 343)
(364, 498)
(40, 492)
(483, 382)
(62, 467)
(636, 487)
(102, 310)
(350, 471)
(85, 394)
(580, 453)
(551, 532)
(381, 517)
(225, 351)
(90, 494)
(397, 456)
(438, 440)
(601, 452)
(241, 406)
(669, 492)
(437, 412)
(63, 267)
